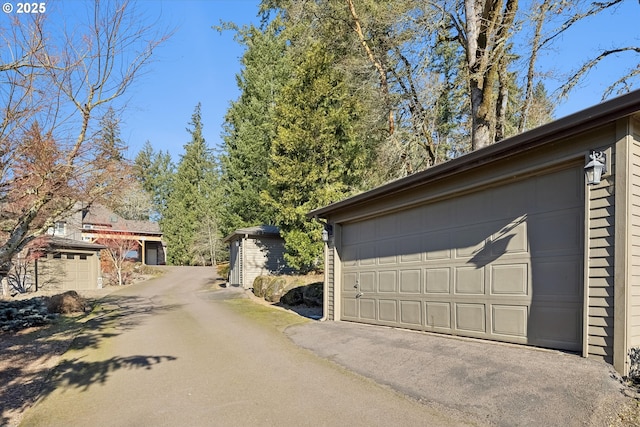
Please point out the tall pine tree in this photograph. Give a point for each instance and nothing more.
(317, 156)
(154, 170)
(250, 126)
(192, 190)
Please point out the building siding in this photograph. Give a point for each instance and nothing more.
(263, 256)
(330, 278)
(600, 247)
(256, 256)
(634, 237)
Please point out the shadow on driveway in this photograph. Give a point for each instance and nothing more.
(30, 378)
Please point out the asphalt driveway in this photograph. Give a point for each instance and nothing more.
(492, 383)
(178, 350)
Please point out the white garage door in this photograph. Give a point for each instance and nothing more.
(504, 263)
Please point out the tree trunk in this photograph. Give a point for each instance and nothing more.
(486, 32)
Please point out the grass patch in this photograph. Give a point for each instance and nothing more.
(265, 315)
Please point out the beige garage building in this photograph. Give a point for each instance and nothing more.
(508, 243)
(69, 265)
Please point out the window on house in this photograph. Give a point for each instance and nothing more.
(60, 228)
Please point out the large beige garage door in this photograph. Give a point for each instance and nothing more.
(504, 263)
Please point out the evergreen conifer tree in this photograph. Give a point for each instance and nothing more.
(191, 190)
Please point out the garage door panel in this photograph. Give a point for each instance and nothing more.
(409, 221)
(438, 314)
(367, 308)
(367, 254)
(510, 279)
(367, 281)
(555, 232)
(386, 226)
(560, 190)
(366, 231)
(469, 280)
(437, 245)
(437, 216)
(349, 256)
(470, 317)
(349, 307)
(504, 263)
(410, 281)
(472, 208)
(511, 239)
(411, 312)
(556, 326)
(469, 241)
(411, 250)
(510, 201)
(349, 280)
(388, 310)
(509, 320)
(386, 253)
(437, 280)
(387, 281)
(557, 277)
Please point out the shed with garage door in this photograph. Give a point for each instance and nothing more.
(507, 243)
(69, 265)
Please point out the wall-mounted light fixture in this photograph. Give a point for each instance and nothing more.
(326, 232)
(596, 167)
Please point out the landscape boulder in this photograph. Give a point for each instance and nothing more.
(67, 303)
(312, 294)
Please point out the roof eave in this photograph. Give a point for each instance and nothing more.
(573, 124)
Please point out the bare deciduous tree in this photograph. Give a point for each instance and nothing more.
(53, 89)
(118, 246)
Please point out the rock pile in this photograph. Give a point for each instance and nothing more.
(21, 314)
(39, 311)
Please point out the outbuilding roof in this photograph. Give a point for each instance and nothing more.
(571, 125)
(62, 243)
(258, 230)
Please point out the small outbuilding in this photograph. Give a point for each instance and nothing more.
(512, 242)
(69, 265)
(253, 252)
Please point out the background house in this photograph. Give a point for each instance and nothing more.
(97, 221)
(507, 243)
(255, 251)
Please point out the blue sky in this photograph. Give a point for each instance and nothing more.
(198, 64)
